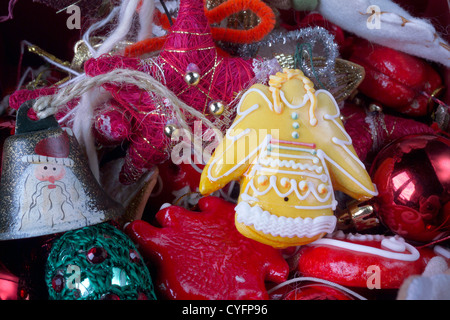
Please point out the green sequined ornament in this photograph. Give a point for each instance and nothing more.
(97, 262)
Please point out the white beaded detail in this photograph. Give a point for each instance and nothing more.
(262, 180)
(282, 226)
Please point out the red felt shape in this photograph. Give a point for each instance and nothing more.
(201, 255)
(176, 181)
(178, 185)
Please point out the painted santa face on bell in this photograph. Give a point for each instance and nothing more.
(51, 191)
(46, 185)
(50, 173)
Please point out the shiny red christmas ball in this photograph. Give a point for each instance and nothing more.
(412, 176)
(9, 284)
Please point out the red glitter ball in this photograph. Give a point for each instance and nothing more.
(58, 283)
(96, 255)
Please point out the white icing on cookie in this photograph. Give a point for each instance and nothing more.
(283, 226)
(293, 189)
(442, 251)
(394, 246)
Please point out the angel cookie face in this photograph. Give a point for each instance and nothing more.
(299, 155)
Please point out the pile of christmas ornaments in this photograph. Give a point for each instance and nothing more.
(219, 149)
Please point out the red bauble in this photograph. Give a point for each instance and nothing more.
(396, 79)
(9, 284)
(412, 176)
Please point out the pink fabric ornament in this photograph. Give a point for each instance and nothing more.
(371, 131)
(111, 126)
(189, 48)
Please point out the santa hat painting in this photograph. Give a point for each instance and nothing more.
(52, 150)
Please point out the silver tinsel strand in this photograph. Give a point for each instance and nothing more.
(318, 39)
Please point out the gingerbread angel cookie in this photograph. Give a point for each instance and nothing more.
(289, 150)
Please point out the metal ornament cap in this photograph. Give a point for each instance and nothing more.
(46, 184)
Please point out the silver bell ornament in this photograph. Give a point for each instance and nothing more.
(46, 184)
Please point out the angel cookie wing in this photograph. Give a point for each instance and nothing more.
(241, 144)
(334, 145)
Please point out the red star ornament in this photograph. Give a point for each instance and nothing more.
(201, 255)
(188, 51)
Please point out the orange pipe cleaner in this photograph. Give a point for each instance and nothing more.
(215, 15)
